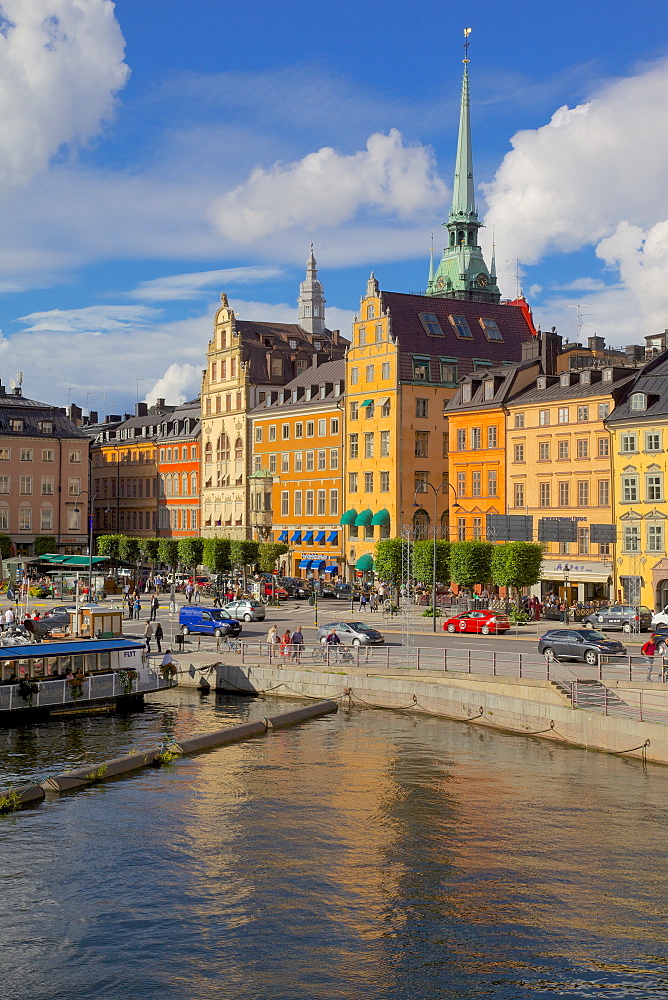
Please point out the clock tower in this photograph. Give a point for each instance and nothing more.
(462, 272)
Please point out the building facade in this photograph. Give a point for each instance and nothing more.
(245, 362)
(638, 427)
(44, 465)
(179, 472)
(297, 479)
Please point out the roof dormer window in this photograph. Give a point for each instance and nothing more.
(466, 392)
(638, 401)
(541, 382)
(585, 378)
(489, 389)
(565, 379)
(607, 375)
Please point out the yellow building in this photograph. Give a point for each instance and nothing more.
(297, 479)
(403, 366)
(638, 428)
(245, 362)
(559, 471)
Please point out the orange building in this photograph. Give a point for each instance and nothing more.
(297, 479)
(179, 472)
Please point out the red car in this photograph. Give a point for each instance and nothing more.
(480, 622)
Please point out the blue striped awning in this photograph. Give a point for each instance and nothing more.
(305, 564)
(333, 537)
(308, 537)
(317, 564)
(320, 537)
(332, 569)
(296, 536)
(283, 537)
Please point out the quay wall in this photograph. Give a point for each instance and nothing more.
(526, 707)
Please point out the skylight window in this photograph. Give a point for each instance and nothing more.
(431, 324)
(491, 330)
(462, 329)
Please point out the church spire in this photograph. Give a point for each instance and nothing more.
(311, 299)
(462, 272)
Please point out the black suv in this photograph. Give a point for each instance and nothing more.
(620, 616)
(578, 644)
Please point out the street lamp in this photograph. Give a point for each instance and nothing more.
(91, 500)
(567, 570)
(421, 488)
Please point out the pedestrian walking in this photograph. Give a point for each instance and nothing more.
(131, 606)
(155, 604)
(373, 602)
(273, 638)
(158, 634)
(297, 643)
(148, 635)
(648, 651)
(285, 648)
(363, 601)
(189, 592)
(137, 606)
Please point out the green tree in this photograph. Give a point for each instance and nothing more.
(423, 561)
(108, 545)
(216, 556)
(269, 553)
(244, 553)
(190, 552)
(44, 544)
(5, 546)
(168, 552)
(387, 560)
(516, 564)
(470, 563)
(128, 549)
(149, 549)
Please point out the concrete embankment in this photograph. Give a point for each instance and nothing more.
(12, 799)
(526, 707)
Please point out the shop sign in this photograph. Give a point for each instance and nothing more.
(552, 567)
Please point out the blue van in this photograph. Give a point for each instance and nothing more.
(208, 621)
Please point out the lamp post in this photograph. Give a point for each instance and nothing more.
(91, 500)
(567, 570)
(421, 488)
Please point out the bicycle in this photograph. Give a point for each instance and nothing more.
(231, 645)
(331, 653)
(390, 609)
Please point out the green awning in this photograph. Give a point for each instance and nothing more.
(73, 561)
(367, 402)
(364, 519)
(382, 517)
(349, 516)
(364, 562)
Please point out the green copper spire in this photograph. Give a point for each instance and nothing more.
(463, 194)
(462, 272)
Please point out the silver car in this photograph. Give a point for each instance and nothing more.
(352, 634)
(246, 611)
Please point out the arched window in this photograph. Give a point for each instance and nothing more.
(175, 484)
(471, 243)
(461, 237)
(208, 449)
(238, 449)
(193, 484)
(184, 484)
(369, 312)
(223, 448)
(452, 238)
(421, 523)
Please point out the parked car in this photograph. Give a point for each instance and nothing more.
(207, 621)
(660, 617)
(245, 610)
(273, 590)
(479, 622)
(619, 616)
(339, 591)
(294, 587)
(585, 644)
(351, 634)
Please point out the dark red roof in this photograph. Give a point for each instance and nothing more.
(410, 332)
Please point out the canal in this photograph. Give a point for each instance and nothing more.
(367, 855)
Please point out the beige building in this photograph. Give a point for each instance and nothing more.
(245, 362)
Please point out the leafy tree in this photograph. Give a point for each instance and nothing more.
(216, 555)
(149, 549)
(128, 549)
(423, 561)
(168, 552)
(269, 553)
(5, 546)
(470, 563)
(108, 545)
(387, 560)
(244, 553)
(190, 552)
(44, 544)
(516, 564)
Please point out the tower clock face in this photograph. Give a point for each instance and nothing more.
(440, 281)
(481, 280)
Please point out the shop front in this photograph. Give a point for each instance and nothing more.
(323, 566)
(573, 580)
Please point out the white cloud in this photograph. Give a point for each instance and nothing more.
(188, 286)
(61, 64)
(179, 383)
(327, 188)
(642, 259)
(89, 319)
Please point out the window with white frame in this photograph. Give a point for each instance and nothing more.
(285, 461)
(353, 445)
(631, 538)
(385, 370)
(322, 503)
(492, 485)
(369, 373)
(272, 432)
(310, 495)
(655, 537)
(491, 437)
(4, 518)
(583, 541)
(583, 448)
(354, 410)
(653, 441)
(322, 460)
(285, 431)
(75, 456)
(25, 485)
(4, 484)
(368, 445)
(564, 494)
(476, 484)
(334, 425)
(461, 440)
(543, 451)
(384, 482)
(26, 454)
(628, 443)
(385, 409)
(583, 414)
(299, 429)
(334, 458)
(299, 460)
(48, 455)
(368, 482)
(352, 482)
(25, 518)
(518, 452)
(310, 461)
(476, 438)
(604, 493)
(629, 489)
(272, 465)
(603, 447)
(519, 421)
(544, 489)
(333, 503)
(518, 494)
(354, 376)
(603, 410)
(544, 418)
(310, 428)
(461, 484)
(563, 415)
(298, 503)
(47, 485)
(638, 401)
(461, 529)
(46, 519)
(285, 503)
(384, 444)
(583, 493)
(322, 427)
(654, 487)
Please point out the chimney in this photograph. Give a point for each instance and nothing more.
(530, 349)
(550, 348)
(141, 409)
(93, 417)
(160, 404)
(112, 418)
(596, 343)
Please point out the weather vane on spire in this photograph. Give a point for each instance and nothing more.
(467, 32)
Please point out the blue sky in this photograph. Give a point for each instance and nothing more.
(157, 153)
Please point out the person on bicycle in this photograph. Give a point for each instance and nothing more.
(333, 639)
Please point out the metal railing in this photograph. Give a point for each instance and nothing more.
(67, 692)
(640, 704)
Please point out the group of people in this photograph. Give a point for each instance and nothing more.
(286, 645)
